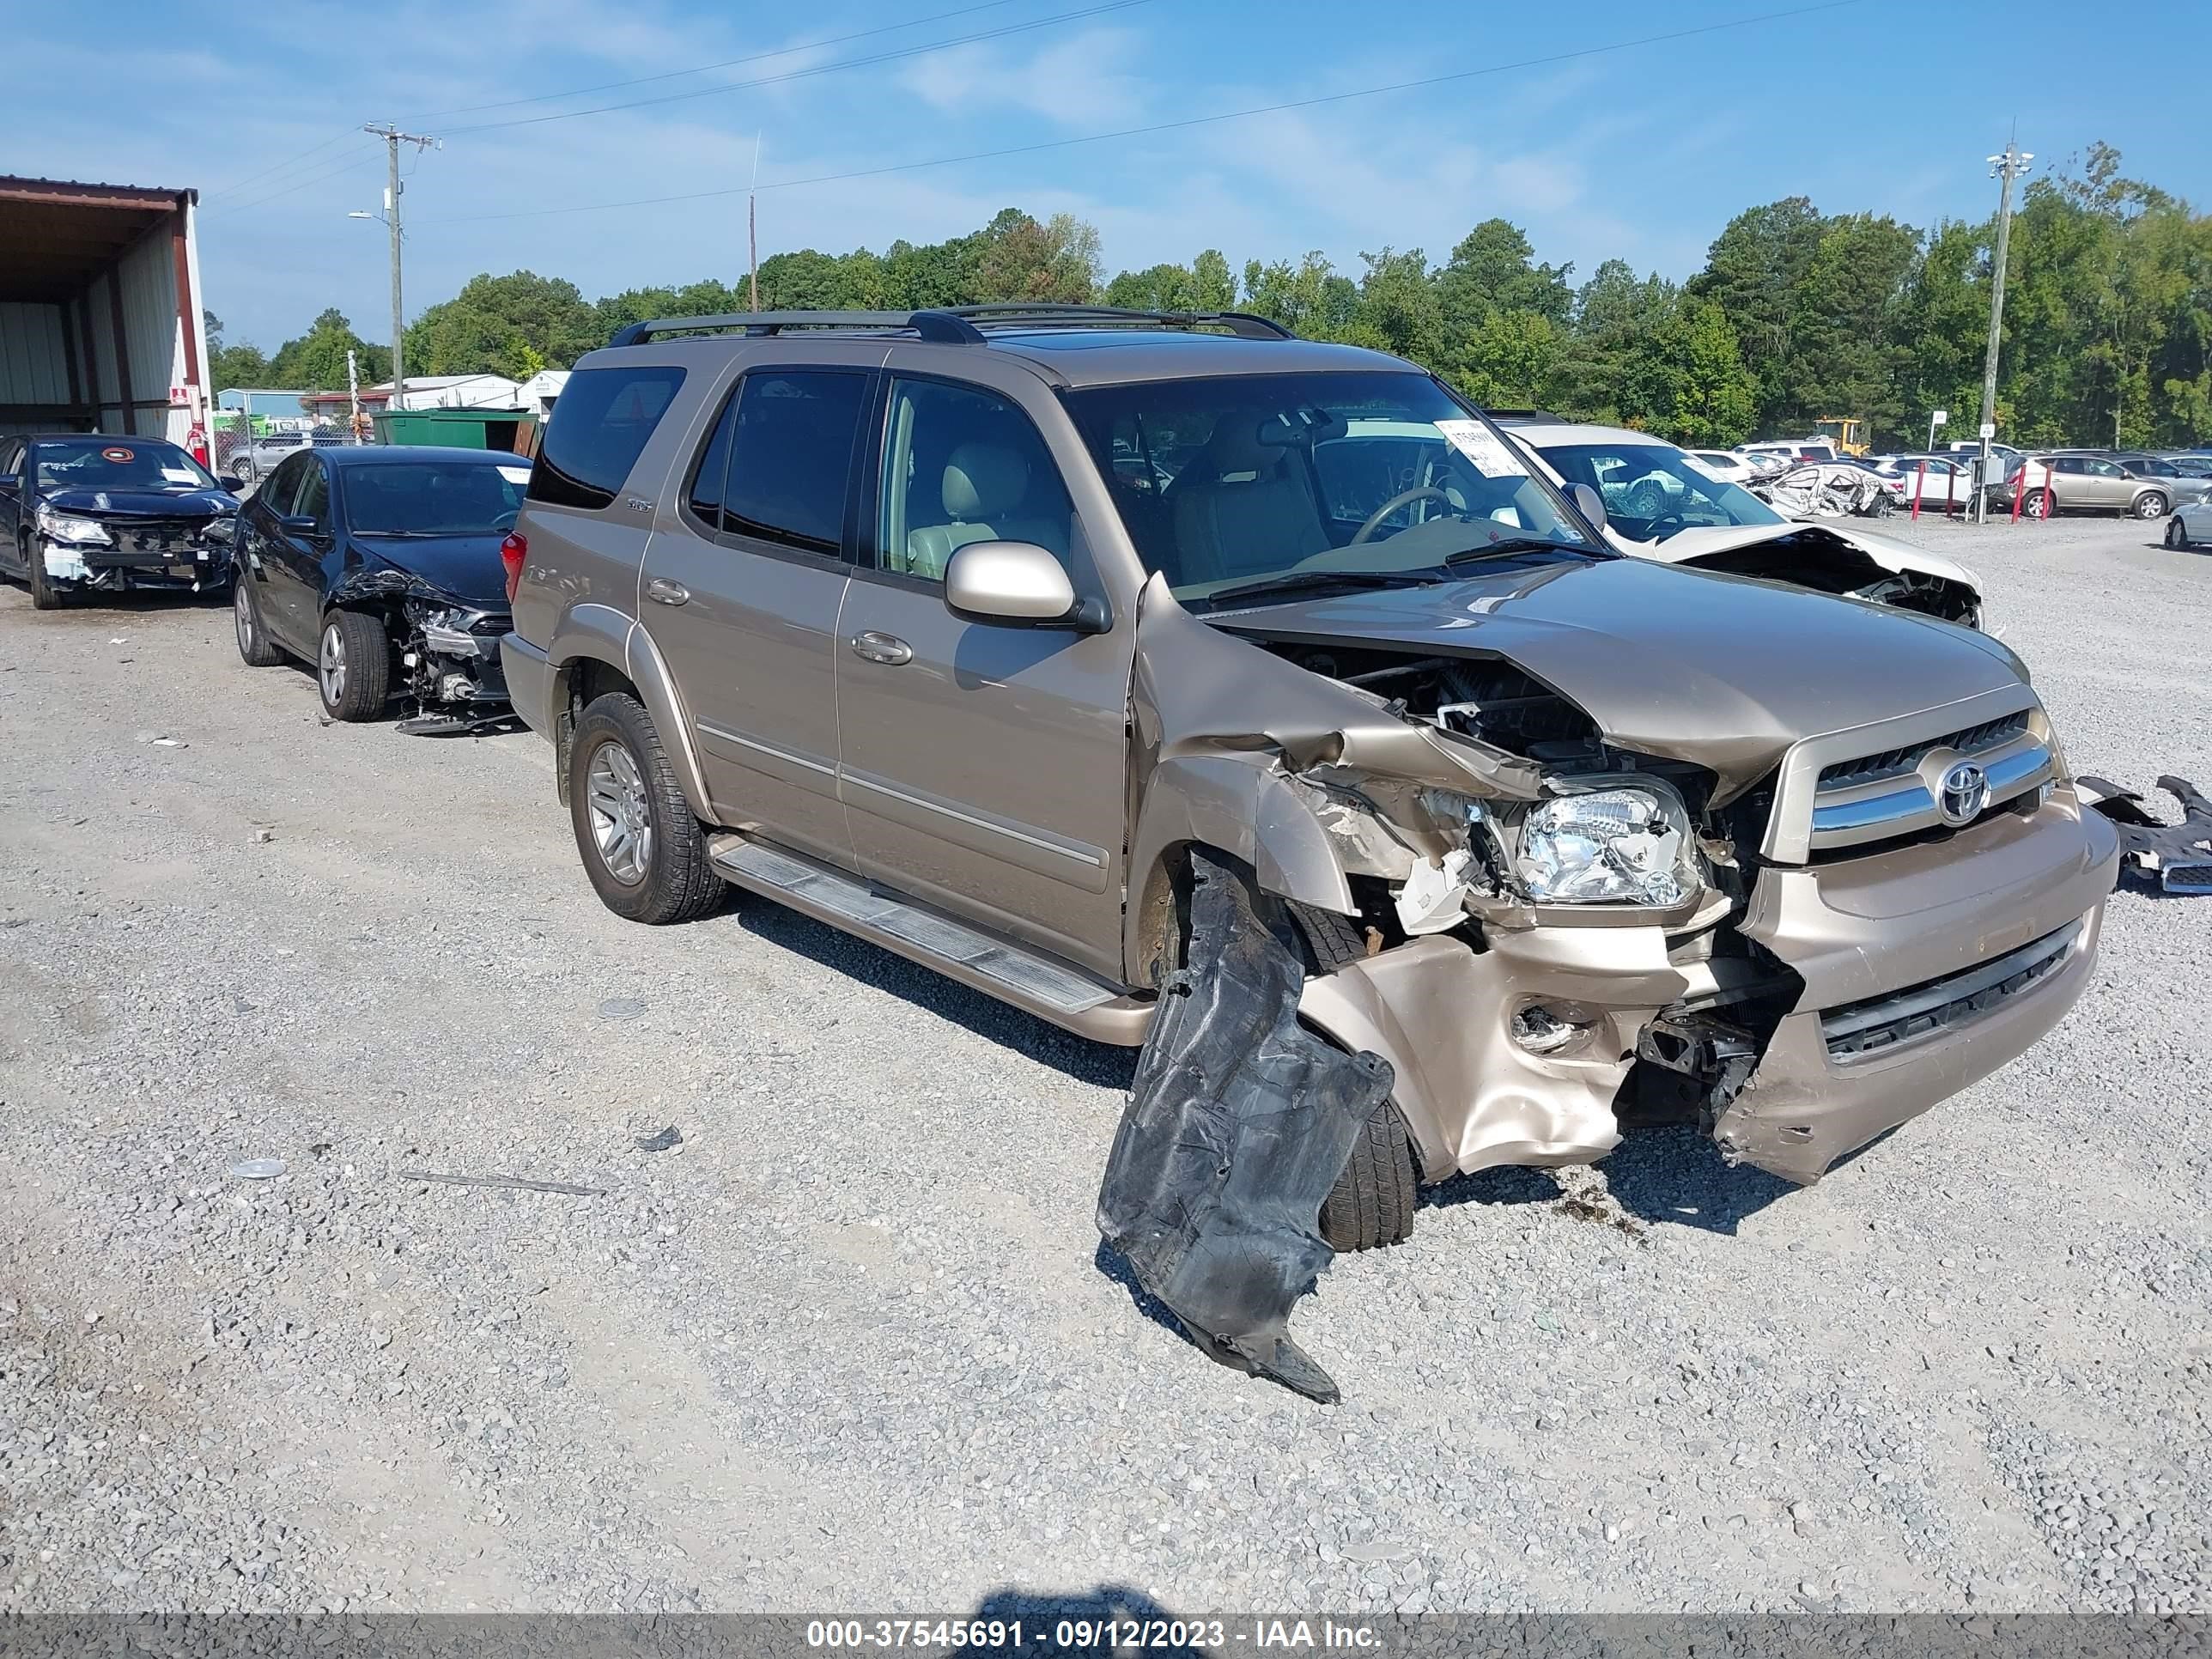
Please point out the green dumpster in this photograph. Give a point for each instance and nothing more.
(456, 429)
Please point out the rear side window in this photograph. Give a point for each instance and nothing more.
(599, 428)
(791, 455)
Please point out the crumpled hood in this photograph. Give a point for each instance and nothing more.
(464, 567)
(1694, 542)
(1719, 671)
(153, 503)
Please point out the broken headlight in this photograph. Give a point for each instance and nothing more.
(1606, 844)
(69, 527)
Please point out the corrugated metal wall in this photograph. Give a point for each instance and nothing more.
(153, 336)
(34, 354)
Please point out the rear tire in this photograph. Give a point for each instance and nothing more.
(2039, 504)
(253, 645)
(1373, 1201)
(353, 666)
(645, 853)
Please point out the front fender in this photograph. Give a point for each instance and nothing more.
(1242, 804)
(599, 633)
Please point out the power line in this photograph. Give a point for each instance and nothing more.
(289, 161)
(1186, 122)
(802, 74)
(727, 63)
(347, 164)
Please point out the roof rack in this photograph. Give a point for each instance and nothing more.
(1040, 313)
(952, 325)
(1506, 416)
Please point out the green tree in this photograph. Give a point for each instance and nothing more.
(229, 366)
(316, 360)
(502, 324)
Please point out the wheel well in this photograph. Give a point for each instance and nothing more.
(581, 680)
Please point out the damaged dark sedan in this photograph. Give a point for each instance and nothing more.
(381, 567)
(88, 512)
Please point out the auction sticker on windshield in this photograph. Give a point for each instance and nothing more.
(515, 474)
(1484, 447)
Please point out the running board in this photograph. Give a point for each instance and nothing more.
(1027, 979)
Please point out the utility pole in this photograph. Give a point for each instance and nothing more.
(393, 139)
(353, 396)
(752, 231)
(2008, 166)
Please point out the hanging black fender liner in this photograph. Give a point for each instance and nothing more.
(1238, 1121)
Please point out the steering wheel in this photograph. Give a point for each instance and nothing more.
(505, 521)
(1656, 530)
(1403, 498)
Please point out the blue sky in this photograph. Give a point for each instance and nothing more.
(1643, 153)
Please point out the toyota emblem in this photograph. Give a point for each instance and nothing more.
(1965, 791)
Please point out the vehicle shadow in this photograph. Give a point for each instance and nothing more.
(1670, 1174)
(1148, 1628)
(1097, 1063)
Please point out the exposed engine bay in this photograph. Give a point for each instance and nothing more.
(444, 653)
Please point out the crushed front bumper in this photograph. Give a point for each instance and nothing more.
(1925, 970)
(181, 567)
(1900, 1006)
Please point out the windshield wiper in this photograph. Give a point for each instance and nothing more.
(1515, 544)
(1310, 581)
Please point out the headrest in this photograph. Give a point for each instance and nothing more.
(1235, 449)
(983, 479)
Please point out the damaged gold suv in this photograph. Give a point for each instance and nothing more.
(968, 631)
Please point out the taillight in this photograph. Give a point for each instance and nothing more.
(512, 552)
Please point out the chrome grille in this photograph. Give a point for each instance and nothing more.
(1891, 762)
(1860, 1031)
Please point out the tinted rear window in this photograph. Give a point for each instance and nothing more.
(599, 428)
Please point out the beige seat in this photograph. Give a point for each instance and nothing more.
(1243, 507)
(982, 484)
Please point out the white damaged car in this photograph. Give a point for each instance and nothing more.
(1660, 504)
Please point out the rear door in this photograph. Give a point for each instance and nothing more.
(986, 766)
(261, 542)
(744, 580)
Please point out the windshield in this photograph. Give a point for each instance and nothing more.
(1652, 491)
(434, 498)
(1225, 481)
(97, 463)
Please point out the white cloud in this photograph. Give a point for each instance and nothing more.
(1080, 82)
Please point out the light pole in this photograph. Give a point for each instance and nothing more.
(2007, 166)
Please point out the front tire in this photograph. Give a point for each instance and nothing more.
(2151, 505)
(353, 666)
(644, 851)
(253, 645)
(1373, 1201)
(45, 596)
(2177, 533)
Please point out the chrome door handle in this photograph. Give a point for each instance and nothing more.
(882, 647)
(661, 591)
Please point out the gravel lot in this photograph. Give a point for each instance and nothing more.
(851, 1343)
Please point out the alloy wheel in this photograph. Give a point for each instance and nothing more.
(332, 667)
(621, 817)
(241, 614)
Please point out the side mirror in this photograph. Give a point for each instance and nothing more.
(300, 524)
(1588, 503)
(231, 482)
(1017, 584)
